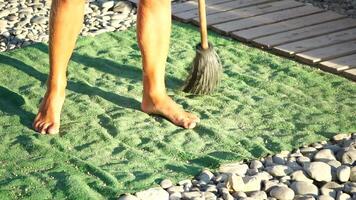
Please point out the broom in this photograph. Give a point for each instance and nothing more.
(206, 66)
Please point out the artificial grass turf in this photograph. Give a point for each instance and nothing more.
(107, 146)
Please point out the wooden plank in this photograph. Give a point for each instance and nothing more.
(339, 64)
(222, 7)
(327, 53)
(316, 42)
(181, 7)
(304, 33)
(265, 19)
(292, 24)
(248, 11)
(193, 5)
(350, 73)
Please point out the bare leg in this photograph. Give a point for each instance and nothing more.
(154, 27)
(65, 24)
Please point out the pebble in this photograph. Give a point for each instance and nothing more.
(302, 188)
(340, 137)
(206, 176)
(324, 155)
(282, 193)
(256, 164)
(325, 197)
(319, 171)
(353, 174)
(128, 197)
(279, 170)
(235, 168)
(300, 176)
(343, 173)
(258, 195)
(166, 183)
(349, 157)
(33, 18)
(153, 194)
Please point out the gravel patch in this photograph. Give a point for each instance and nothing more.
(23, 22)
(321, 171)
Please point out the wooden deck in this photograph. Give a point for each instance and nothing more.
(320, 38)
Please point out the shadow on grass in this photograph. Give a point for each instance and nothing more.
(75, 86)
(111, 67)
(11, 103)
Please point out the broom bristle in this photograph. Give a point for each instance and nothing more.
(205, 72)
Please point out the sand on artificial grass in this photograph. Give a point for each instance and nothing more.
(107, 146)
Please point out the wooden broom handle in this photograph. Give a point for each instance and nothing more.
(203, 26)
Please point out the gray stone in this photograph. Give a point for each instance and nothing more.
(353, 174)
(166, 183)
(340, 137)
(303, 188)
(319, 171)
(175, 196)
(303, 160)
(331, 188)
(343, 173)
(238, 195)
(108, 4)
(268, 185)
(122, 7)
(153, 194)
(282, 193)
(258, 195)
(279, 170)
(324, 155)
(244, 184)
(325, 197)
(175, 189)
(308, 151)
(235, 168)
(209, 196)
(350, 187)
(343, 196)
(300, 176)
(206, 176)
(279, 159)
(3, 25)
(39, 20)
(256, 164)
(128, 197)
(190, 195)
(349, 157)
(304, 197)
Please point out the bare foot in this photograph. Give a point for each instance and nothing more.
(47, 120)
(163, 105)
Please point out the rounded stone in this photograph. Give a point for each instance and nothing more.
(256, 164)
(128, 197)
(304, 188)
(340, 137)
(153, 194)
(258, 195)
(324, 155)
(279, 170)
(300, 176)
(205, 176)
(349, 157)
(353, 174)
(319, 171)
(325, 197)
(175, 196)
(343, 173)
(166, 183)
(282, 193)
